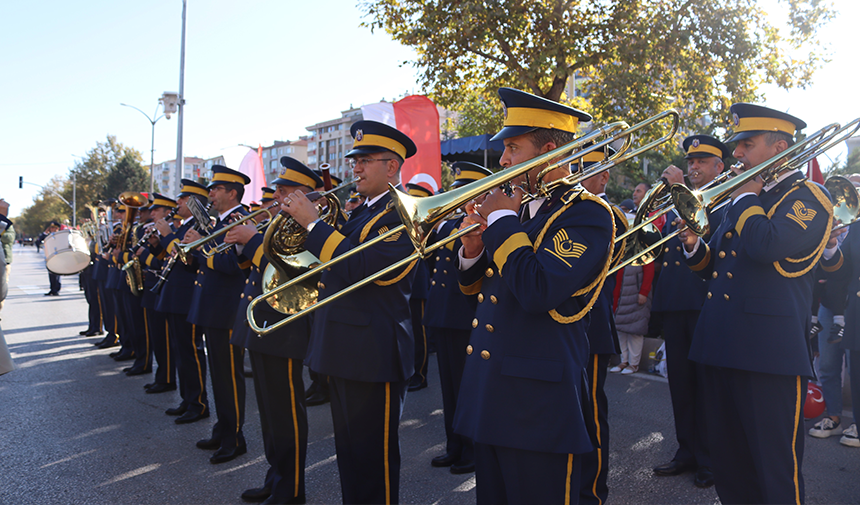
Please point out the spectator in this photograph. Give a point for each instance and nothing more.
(632, 313)
(627, 206)
(5, 358)
(639, 193)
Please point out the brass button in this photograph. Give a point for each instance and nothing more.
(445, 272)
(665, 263)
(722, 254)
(494, 299)
(438, 258)
(468, 349)
(443, 284)
(250, 298)
(715, 275)
(480, 297)
(674, 222)
(489, 272)
(241, 295)
(677, 263)
(485, 354)
(475, 323)
(254, 283)
(667, 249)
(678, 248)
(247, 281)
(734, 253)
(490, 328)
(728, 234)
(726, 296)
(447, 258)
(710, 295)
(320, 285)
(434, 270)
(433, 283)
(328, 269)
(858, 293)
(729, 275)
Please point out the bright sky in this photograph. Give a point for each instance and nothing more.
(255, 72)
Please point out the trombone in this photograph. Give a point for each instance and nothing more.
(421, 215)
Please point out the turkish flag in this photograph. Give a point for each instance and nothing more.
(813, 171)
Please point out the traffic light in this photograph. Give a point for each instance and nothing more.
(20, 182)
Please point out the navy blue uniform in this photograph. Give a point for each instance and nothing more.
(276, 360)
(364, 343)
(528, 351)
(156, 321)
(214, 301)
(420, 288)
(134, 315)
(752, 335)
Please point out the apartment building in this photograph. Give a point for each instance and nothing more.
(297, 149)
(330, 141)
(165, 173)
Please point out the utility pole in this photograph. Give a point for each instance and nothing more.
(180, 160)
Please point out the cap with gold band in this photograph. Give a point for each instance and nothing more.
(295, 173)
(526, 113)
(375, 137)
(466, 172)
(268, 193)
(224, 175)
(703, 146)
(750, 120)
(254, 206)
(159, 200)
(190, 187)
(596, 156)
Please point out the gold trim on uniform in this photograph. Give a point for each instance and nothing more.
(511, 244)
(541, 118)
(472, 289)
(800, 214)
(752, 211)
(702, 264)
(838, 264)
(330, 246)
(706, 148)
(747, 124)
(379, 141)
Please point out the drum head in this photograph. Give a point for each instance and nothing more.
(66, 252)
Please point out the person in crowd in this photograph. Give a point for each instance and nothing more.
(632, 302)
(53, 278)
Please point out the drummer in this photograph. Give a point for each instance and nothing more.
(53, 278)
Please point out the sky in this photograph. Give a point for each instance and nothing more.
(255, 71)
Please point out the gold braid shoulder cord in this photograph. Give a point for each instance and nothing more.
(366, 230)
(819, 250)
(597, 284)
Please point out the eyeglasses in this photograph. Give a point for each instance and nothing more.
(353, 162)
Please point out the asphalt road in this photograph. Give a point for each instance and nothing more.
(74, 429)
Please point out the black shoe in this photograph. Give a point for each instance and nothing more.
(94, 333)
(461, 467)
(147, 386)
(316, 399)
(673, 467)
(160, 388)
(300, 499)
(704, 477)
(138, 371)
(190, 417)
(209, 444)
(127, 369)
(836, 332)
(416, 384)
(51, 293)
(124, 356)
(223, 455)
(444, 460)
(177, 411)
(83, 332)
(106, 344)
(256, 494)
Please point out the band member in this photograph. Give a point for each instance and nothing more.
(134, 313)
(54, 279)
(535, 281)
(111, 322)
(276, 360)
(448, 320)
(186, 339)
(151, 256)
(603, 343)
(363, 341)
(752, 330)
(115, 285)
(679, 296)
(220, 280)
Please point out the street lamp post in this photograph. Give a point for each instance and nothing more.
(152, 145)
(180, 161)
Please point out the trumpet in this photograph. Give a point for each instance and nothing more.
(421, 215)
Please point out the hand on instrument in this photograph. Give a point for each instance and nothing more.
(191, 236)
(834, 237)
(240, 234)
(139, 252)
(303, 210)
(154, 240)
(473, 244)
(687, 237)
(753, 186)
(673, 174)
(498, 200)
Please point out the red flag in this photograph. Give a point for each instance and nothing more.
(813, 171)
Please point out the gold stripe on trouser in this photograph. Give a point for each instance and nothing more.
(597, 425)
(797, 407)
(101, 311)
(295, 422)
(115, 322)
(199, 370)
(385, 441)
(424, 334)
(567, 479)
(167, 343)
(146, 330)
(233, 377)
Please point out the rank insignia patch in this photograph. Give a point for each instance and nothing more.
(564, 247)
(800, 214)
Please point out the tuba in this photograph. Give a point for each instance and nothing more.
(133, 271)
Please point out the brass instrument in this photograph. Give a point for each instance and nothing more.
(133, 271)
(184, 249)
(421, 215)
(202, 222)
(202, 226)
(846, 201)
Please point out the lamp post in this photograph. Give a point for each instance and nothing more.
(180, 160)
(152, 145)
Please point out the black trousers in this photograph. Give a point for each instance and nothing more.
(187, 344)
(515, 476)
(451, 356)
(226, 367)
(421, 348)
(157, 336)
(121, 321)
(135, 327)
(595, 464)
(111, 323)
(367, 460)
(280, 392)
(91, 292)
(54, 281)
(756, 435)
(686, 386)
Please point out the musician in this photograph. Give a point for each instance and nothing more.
(603, 344)
(134, 313)
(419, 186)
(352, 202)
(363, 341)
(751, 333)
(186, 339)
(115, 284)
(220, 280)
(276, 359)
(151, 255)
(448, 320)
(679, 295)
(91, 290)
(524, 380)
(54, 279)
(109, 316)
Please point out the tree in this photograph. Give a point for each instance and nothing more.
(845, 168)
(634, 57)
(47, 207)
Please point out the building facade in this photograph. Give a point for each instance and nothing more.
(330, 141)
(165, 173)
(297, 149)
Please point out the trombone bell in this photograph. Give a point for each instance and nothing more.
(846, 200)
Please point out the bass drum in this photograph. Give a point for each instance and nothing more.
(66, 252)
